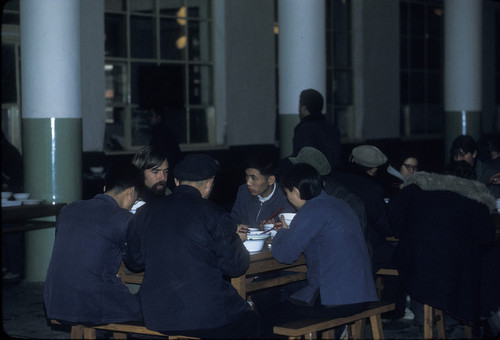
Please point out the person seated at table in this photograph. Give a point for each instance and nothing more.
(439, 220)
(397, 172)
(328, 233)
(152, 162)
(188, 246)
(261, 196)
(81, 285)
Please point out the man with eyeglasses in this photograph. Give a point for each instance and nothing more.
(152, 162)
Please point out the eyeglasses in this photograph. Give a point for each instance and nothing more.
(411, 167)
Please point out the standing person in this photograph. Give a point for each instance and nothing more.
(152, 162)
(187, 246)
(314, 130)
(163, 137)
(327, 232)
(12, 243)
(261, 195)
(464, 148)
(81, 284)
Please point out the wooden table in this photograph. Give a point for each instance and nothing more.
(260, 263)
(20, 218)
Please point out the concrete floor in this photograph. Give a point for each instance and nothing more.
(23, 317)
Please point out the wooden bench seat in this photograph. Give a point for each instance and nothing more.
(309, 328)
(120, 331)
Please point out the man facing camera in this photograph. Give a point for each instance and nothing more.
(187, 246)
(81, 284)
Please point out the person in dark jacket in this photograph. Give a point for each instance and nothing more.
(81, 284)
(187, 246)
(314, 130)
(440, 219)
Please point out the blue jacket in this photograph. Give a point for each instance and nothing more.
(186, 245)
(81, 284)
(327, 231)
(249, 210)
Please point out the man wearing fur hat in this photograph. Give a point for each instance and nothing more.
(187, 246)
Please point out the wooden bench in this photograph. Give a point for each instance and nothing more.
(432, 316)
(309, 328)
(120, 331)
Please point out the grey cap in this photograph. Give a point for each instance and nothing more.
(313, 157)
(368, 156)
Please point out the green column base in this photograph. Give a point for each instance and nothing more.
(461, 123)
(287, 123)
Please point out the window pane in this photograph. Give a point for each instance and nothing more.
(199, 40)
(434, 54)
(341, 17)
(170, 7)
(342, 57)
(142, 6)
(417, 53)
(115, 84)
(403, 85)
(343, 87)
(115, 131)
(417, 20)
(9, 81)
(198, 126)
(173, 39)
(199, 9)
(115, 35)
(417, 88)
(200, 85)
(435, 88)
(435, 21)
(141, 130)
(142, 37)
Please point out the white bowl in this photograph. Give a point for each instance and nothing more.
(96, 169)
(21, 196)
(255, 242)
(272, 233)
(288, 217)
(6, 194)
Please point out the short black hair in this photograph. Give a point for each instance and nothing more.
(305, 178)
(312, 100)
(460, 169)
(464, 142)
(266, 165)
(149, 157)
(120, 177)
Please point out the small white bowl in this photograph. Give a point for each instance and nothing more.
(288, 217)
(21, 196)
(6, 194)
(272, 233)
(96, 169)
(255, 242)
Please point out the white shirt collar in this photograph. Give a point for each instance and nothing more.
(264, 199)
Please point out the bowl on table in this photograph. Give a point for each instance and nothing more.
(255, 242)
(270, 226)
(6, 195)
(288, 217)
(21, 196)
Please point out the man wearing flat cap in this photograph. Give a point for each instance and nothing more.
(187, 246)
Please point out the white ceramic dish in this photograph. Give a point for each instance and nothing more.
(255, 242)
(20, 196)
(96, 169)
(11, 203)
(6, 194)
(288, 217)
(272, 233)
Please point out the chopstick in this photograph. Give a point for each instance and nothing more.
(272, 216)
(268, 230)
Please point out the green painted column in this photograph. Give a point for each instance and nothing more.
(51, 111)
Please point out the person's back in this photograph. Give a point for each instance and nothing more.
(81, 284)
(187, 244)
(439, 219)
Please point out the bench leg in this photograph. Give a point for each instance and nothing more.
(119, 335)
(440, 323)
(376, 324)
(358, 329)
(88, 333)
(76, 332)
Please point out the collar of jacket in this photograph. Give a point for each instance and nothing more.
(465, 187)
(311, 118)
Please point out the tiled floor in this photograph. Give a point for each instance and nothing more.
(23, 317)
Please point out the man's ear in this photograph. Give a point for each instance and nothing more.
(474, 154)
(176, 182)
(271, 179)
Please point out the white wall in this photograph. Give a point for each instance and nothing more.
(92, 74)
(250, 74)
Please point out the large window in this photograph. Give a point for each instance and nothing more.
(339, 75)
(422, 105)
(158, 55)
